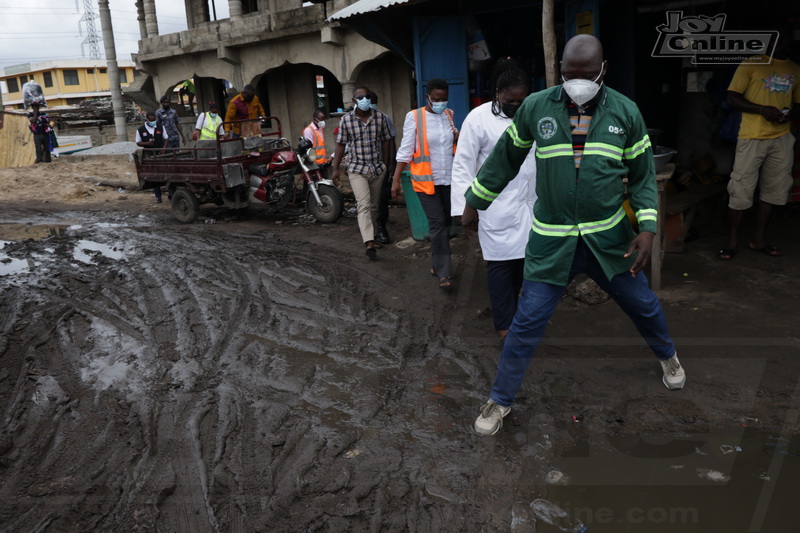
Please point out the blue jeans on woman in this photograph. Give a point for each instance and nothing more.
(538, 303)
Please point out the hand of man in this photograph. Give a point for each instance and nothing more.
(641, 245)
(773, 114)
(335, 177)
(469, 221)
(194, 136)
(396, 186)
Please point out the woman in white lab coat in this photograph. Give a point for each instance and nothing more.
(503, 228)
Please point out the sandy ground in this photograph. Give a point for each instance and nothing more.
(259, 374)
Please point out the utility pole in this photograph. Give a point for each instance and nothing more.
(549, 41)
(113, 70)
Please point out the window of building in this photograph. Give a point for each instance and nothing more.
(71, 77)
(48, 79)
(123, 75)
(89, 71)
(102, 71)
(23, 80)
(13, 86)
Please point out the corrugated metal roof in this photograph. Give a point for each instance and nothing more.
(364, 6)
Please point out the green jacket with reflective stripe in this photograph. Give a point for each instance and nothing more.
(589, 205)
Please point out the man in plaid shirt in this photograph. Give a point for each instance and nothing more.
(365, 135)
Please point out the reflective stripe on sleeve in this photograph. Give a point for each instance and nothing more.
(647, 214)
(514, 134)
(482, 192)
(638, 149)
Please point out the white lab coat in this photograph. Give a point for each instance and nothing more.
(503, 228)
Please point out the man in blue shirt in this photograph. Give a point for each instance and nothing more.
(168, 119)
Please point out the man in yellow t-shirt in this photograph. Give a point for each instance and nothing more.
(768, 95)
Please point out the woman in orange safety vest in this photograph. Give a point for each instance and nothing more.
(428, 145)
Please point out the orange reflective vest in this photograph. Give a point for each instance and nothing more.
(319, 143)
(421, 173)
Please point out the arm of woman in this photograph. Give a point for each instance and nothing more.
(465, 163)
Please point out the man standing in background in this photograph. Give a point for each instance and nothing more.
(168, 118)
(767, 92)
(244, 106)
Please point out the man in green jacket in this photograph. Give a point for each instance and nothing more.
(588, 138)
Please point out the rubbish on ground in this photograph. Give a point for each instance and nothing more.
(727, 448)
(554, 515)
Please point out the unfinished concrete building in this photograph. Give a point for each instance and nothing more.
(296, 59)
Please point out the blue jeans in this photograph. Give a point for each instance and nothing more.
(538, 302)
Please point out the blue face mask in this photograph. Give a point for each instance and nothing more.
(364, 104)
(152, 124)
(212, 115)
(439, 107)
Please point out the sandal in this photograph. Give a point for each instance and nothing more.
(726, 254)
(446, 282)
(767, 249)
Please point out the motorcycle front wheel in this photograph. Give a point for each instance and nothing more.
(332, 204)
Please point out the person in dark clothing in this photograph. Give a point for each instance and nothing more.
(152, 135)
(40, 126)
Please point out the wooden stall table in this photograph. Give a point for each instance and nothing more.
(657, 254)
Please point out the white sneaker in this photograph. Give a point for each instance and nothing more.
(491, 418)
(674, 375)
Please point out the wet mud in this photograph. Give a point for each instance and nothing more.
(259, 374)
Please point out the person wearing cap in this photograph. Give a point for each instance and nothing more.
(168, 119)
(209, 124)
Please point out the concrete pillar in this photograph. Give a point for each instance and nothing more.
(151, 22)
(235, 8)
(347, 93)
(140, 17)
(113, 70)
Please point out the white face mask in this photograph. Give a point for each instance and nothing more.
(321, 124)
(582, 91)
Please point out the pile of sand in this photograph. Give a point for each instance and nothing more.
(69, 179)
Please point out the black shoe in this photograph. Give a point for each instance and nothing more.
(382, 236)
(372, 254)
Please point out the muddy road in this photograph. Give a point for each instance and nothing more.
(258, 374)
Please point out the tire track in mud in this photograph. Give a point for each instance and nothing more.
(161, 344)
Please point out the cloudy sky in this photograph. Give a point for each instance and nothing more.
(41, 30)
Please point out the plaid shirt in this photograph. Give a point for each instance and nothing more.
(363, 141)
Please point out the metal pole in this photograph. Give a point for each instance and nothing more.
(113, 70)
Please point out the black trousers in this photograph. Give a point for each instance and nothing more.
(383, 202)
(42, 143)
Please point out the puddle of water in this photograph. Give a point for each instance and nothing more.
(84, 248)
(716, 481)
(10, 266)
